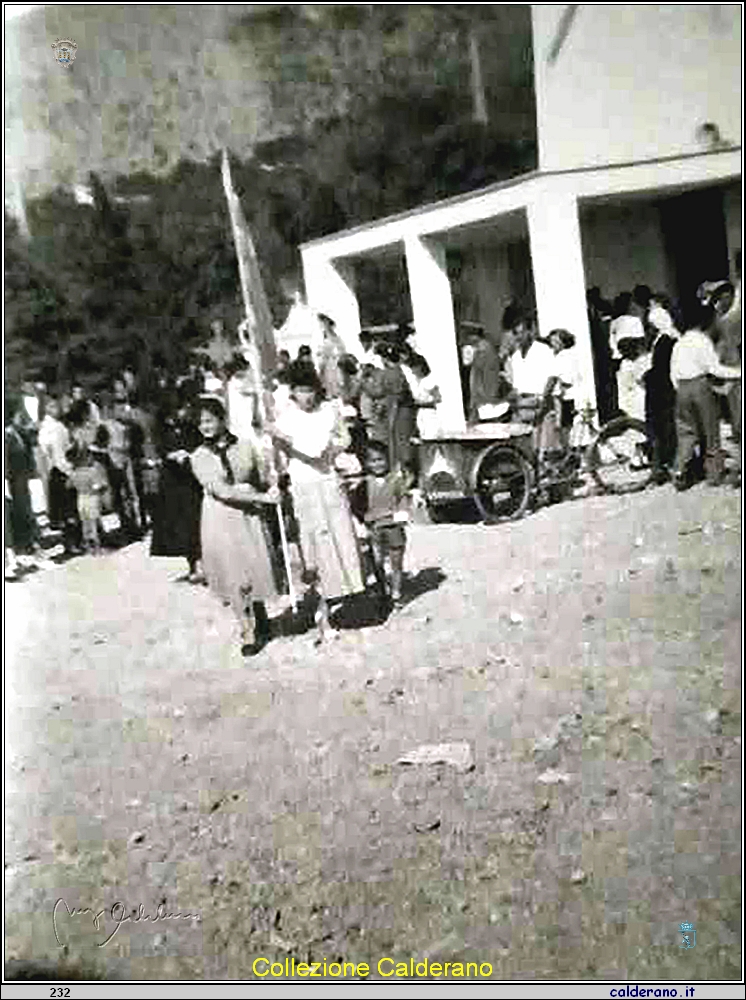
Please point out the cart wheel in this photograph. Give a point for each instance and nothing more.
(436, 513)
(502, 479)
(619, 458)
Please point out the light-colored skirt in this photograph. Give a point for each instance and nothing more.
(327, 536)
(236, 554)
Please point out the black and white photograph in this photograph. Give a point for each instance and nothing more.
(373, 577)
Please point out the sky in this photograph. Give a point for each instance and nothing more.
(150, 84)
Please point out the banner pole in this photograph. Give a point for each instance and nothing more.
(256, 332)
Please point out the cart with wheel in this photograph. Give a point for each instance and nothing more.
(489, 463)
(497, 467)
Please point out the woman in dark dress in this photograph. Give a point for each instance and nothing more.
(401, 413)
(178, 502)
(19, 470)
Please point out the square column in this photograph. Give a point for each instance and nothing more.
(330, 289)
(559, 278)
(432, 311)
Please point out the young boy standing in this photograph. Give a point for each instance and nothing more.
(384, 515)
(89, 480)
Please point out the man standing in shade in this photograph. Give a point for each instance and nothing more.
(694, 363)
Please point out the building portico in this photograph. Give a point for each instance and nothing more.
(550, 206)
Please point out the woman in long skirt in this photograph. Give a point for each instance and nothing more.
(177, 508)
(312, 433)
(235, 528)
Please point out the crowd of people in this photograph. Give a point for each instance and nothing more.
(678, 373)
(230, 470)
(677, 370)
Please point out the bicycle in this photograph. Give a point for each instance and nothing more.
(508, 477)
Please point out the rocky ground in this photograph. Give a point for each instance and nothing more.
(589, 658)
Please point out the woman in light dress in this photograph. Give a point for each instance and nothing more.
(238, 496)
(311, 434)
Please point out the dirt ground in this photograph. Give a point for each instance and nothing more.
(589, 655)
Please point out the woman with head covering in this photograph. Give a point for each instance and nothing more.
(235, 532)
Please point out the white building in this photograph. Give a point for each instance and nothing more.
(639, 181)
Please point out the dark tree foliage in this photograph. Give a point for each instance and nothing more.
(377, 106)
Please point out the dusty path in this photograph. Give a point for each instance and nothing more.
(589, 655)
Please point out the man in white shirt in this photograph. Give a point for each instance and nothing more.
(532, 365)
(532, 370)
(694, 362)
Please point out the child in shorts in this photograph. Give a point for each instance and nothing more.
(384, 515)
(90, 482)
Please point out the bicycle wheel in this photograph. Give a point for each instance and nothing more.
(502, 480)
(619, 458)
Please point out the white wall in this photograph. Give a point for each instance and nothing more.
(633, 81)
(623, 247)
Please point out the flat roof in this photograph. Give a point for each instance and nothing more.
(510, 182)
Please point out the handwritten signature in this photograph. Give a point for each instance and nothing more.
(119, 914)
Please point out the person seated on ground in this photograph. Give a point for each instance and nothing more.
(694, 363)
(631, 377)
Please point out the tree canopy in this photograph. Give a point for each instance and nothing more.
(379, 113)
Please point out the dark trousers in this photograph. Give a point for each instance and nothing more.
(63, 509)
(25, 528)
(698, 425)
(734, 409)
(661, 427)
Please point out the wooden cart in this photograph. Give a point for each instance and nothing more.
(489, 463)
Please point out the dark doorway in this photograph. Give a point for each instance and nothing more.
(695, 239)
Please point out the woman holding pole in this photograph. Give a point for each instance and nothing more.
(235, 532)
